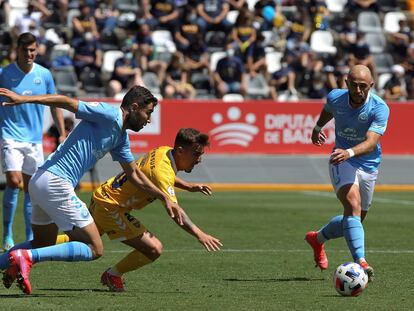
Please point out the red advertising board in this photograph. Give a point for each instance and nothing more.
(260, 127)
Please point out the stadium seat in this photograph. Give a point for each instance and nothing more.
(233, 97)
(164, 38)
(66, 81)
(201, 82)
(71, 14)
(382, 80)
(336, 6)
(19, 4)
(273, 61)
(257, 87)
(127, 5)
(90, 78)
(125, 19)
(215, 40)
(214, 58)
(109, 41)
(383, 62)
(322, 41)
(232, 16)
(376, 41)
(391, 20)
(150, 80)
(109, 59)
(369, 22)
(251, 4)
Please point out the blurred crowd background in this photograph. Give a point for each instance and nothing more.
(285, 50)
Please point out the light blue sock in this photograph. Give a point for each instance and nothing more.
(333, 229)
(27, 208)
(70, 251)
(4, 258)
(354, 236)
(10, 198)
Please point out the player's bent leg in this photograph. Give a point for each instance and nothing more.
(147, 249)
(319, 255)
(90, 236)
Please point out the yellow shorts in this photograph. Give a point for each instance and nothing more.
(118, 225)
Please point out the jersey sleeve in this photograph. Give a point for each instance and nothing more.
(50, 83)
(379, 123)
(122, 152)
(164, 179)
(96, 112)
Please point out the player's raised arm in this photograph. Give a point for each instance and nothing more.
(192, 187)
(209, 242)
(51, 100)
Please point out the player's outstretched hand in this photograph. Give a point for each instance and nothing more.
(318, 137)
(14, 99)
(211, 243)
(206, 190)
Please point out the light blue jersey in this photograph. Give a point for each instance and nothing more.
(99, 132)
(24, 122)
(352, 125)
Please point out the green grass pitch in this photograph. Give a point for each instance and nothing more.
(264, 265)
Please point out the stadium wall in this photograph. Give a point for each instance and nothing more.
(257, 126)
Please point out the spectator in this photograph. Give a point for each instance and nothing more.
(359, 53)
(318, 88)
(213, 15)
(243, 33)
(32, 20)
(237, 4)
(283, 80)
(4, 12)
(230, 76)
(161, 14)
(256, 58)
(84, 23)
(399, 41)
(348, 33)
(299, 32)
(147, 55)
(196, 56)
(176, 81)
(396, 88)
(354, 7)
(106, 15)
(125, 75)
(87, 53)
(186, 32)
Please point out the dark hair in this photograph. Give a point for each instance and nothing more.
(26, 38)
(140, 95)
(189, 136)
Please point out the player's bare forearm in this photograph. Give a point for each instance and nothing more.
(209, 242)
(324, 118)
(181, 183)
(340, 155)
(51, 100)
(318, 136)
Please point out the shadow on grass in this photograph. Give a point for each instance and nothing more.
(21, 296)
(293, 279)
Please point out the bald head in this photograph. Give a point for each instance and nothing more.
(359, 82)
(360, 72)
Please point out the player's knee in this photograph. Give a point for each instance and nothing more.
(156, 250)
(97, 251)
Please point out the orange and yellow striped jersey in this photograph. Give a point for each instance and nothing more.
(119, 193)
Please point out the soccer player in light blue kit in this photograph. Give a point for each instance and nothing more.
(55, 203)
(360, 121)
(21, 131)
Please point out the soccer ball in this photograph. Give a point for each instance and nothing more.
(350, 279)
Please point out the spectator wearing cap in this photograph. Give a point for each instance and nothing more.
(396, 88)
(84, 23)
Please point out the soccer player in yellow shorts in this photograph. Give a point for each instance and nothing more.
(113, 201)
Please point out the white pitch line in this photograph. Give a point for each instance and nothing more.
(376, 199)
(376, 251)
